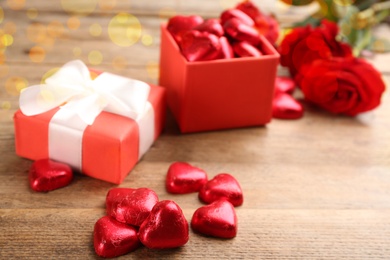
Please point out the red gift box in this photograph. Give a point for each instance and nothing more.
(218, 94)
(110, 146)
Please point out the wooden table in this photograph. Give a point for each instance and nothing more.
(315, 188)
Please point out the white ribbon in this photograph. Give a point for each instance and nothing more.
(84, 100)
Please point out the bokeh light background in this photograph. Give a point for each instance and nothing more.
(118, 36)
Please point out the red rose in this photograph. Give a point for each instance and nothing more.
(342, 85)
(306, 44)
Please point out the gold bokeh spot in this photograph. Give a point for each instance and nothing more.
(153, 69)
(37, 54)
(16, 4)
(14, 85)
(73, 23)
(55, 29)
(147, 40)
(9, 27)
(48, 74)
(107, 5)
(32, 13)
(36, 32)
(6, 105)
(77, 51)
(124, 29)
(1, 14)
(166, 13)
(6, 40)
(119, 63)
(95, 29)
(95, 57)
(46, 95)
(79, 7)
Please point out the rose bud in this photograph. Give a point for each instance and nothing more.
(200, 46)
(226, 49)
(241, 32)
(238, 14)
(244, 49)
(212, 26)
(179, 24)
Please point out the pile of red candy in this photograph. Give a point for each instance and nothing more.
(136, 217)
(235, 34)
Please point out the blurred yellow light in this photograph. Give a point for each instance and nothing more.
(77, 51)
(32, 13)
(16, 4)
(166, 13)
(78, 7)
(5, 105)
(7, 40)
(95, 29)
(153, 69)
(73, 23)
(95, 57)
(106, 5)
(1, 14)
(147, 40)
(119, 63)
(48, 74)
(14, 85)
(9, 27)
(55, 29)
(124, 29)
(36, 32)
(37, 54)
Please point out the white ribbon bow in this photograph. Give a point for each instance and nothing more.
(87, 98)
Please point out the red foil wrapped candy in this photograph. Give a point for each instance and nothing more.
(112, 238)
(166, 227)
(131, 206)
(47, 175)
(183, 178)
(217, 219)
(222, 186)
(200, 46)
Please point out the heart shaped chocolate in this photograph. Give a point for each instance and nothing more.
(241, 32)
(166, 227)
(244, 49)
(238, 14)
(217, 219)
(47, 175)
(284, 106)
(222, 186)
(200, 46)
(226, 49)
(112, 238)
(212, 26)
(284, 85)
(179, 24)
(183, 178)
(131, 206)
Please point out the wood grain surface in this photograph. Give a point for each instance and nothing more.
(314, 188)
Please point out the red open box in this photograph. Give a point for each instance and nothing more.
(218, 94)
